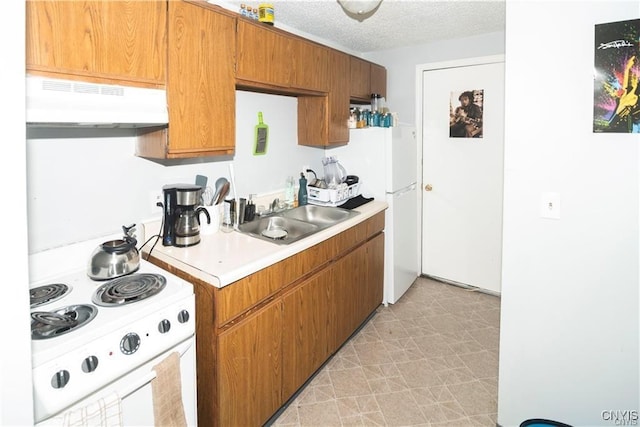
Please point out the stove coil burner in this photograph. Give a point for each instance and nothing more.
(50, 324)
(129, 289)
(48, 293)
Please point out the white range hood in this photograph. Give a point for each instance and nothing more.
(67, 103)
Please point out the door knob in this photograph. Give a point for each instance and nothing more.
(428, 187)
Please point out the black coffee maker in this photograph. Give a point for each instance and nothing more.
(182, 215)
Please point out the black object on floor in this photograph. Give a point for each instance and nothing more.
(540, 422)
(355, 202)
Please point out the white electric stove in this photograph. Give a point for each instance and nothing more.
(99, 338)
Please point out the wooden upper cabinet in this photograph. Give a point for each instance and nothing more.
(200, 86)
(322, 120)
(264, 55)
(310, 64)
(367, 78)
(378, 79)
(339, 98)
(101, 41)
(360, 79)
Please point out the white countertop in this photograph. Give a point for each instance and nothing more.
(223, 258)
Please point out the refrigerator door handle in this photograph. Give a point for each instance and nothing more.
(408, 189)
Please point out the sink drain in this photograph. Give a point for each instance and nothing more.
(275, 233)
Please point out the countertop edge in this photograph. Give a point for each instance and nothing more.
(256, 254)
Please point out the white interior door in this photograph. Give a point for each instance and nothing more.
(463, 177)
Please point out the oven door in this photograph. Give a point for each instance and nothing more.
(134, 391)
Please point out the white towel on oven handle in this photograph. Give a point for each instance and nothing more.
(104, 412)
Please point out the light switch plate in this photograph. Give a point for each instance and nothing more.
(550, 205)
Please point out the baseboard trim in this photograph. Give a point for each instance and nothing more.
(461, 285)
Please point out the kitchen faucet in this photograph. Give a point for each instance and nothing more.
(275, 204)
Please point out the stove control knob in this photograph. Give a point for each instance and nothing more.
(183, 316)
(164, 326)
(60, 379)
(130, 343)
(89, 364)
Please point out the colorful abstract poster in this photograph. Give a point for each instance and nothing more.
(616, 106)
(465, 113)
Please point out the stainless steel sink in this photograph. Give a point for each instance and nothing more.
(278, 229)
(319, 215)
(294, 224)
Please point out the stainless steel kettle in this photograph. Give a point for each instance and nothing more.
(115, 258)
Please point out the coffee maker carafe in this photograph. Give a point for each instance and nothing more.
(182, 215)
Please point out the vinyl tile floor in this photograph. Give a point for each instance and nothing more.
(431, 359)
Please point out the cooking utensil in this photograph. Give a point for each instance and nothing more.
(114, 258)
(261, 136)
(220, 182)
(208, 196)
(223, 193)
(201, 181)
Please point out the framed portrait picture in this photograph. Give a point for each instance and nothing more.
(465, 113)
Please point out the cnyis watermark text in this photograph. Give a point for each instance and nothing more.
(620, 417)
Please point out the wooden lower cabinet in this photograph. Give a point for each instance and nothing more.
(258, 340)
(249, 367)
(309, 330)
(358, 286)
(325, 310)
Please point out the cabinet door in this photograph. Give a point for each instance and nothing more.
(350, 274)
(201, 84)
(322, 121)
(378, 79)
(111, 41)
(339, 98)
(310, 66)
(264, 55)
(309, 330)
(373, 286)
(358, 286)
(249, 367)
(360, 79)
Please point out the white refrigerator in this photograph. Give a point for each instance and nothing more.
(385, 160)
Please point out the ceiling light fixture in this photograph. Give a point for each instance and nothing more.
(359, 8)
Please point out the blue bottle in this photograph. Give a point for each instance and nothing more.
(302, 191)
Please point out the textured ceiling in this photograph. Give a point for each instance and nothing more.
(396, 23)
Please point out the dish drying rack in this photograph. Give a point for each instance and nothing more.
(332, 196)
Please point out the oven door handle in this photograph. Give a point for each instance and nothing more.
(147, 378)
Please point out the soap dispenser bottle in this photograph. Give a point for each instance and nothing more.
(302, 191)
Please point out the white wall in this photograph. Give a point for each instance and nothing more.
(569, 325)
(16, 402)
(84, 184)
(401, 66)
